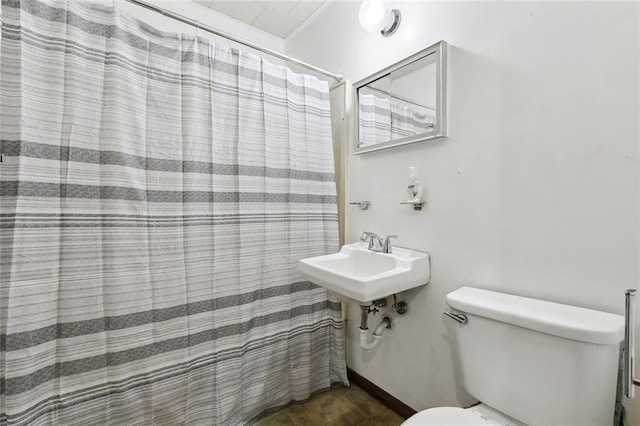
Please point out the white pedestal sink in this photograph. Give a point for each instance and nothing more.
(362, 275)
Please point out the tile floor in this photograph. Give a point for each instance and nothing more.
(337, 407)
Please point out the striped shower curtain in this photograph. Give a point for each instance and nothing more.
(156, 192)
(374, 118)
(382, 118)
(407, 121)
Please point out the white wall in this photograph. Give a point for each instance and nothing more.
(535, 192)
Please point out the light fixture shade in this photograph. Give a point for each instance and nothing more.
(375, 15)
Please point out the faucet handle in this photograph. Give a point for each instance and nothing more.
(365, 236)
(372, 238)
(387, 243)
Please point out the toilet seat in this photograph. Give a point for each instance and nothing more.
(446, 416)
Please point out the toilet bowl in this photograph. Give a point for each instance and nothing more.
(478, 415)
(530, 362)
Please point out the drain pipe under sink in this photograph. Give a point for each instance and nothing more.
(367, 343)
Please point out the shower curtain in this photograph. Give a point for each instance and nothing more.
(156, 193)
(381, 119)
(406, 121)
(374, 116)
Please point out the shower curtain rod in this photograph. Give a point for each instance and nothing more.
(337, 77)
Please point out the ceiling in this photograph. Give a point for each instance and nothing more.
(279, 18)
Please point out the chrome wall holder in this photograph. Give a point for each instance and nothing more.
(417, 206)
(364, 205)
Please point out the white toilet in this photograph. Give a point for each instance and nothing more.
(531, 362)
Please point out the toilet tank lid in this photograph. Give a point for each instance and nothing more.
(570, 322)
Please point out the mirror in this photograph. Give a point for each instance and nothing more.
(404, 103)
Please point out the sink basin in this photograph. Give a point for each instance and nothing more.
(361, 275)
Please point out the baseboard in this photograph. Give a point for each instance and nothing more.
(384, 397)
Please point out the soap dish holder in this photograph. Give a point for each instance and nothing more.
(417, 205)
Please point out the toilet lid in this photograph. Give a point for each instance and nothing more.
(445, 416)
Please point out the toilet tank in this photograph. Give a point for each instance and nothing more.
(541, 363)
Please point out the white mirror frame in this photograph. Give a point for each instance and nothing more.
(439, 130)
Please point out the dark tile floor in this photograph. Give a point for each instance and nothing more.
(339, 406)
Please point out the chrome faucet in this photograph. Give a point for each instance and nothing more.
(376, 243)
(374, 240)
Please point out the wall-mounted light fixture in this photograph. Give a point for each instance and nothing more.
(377, 15)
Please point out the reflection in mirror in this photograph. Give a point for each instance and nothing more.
(398, 105)
(401, 104)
